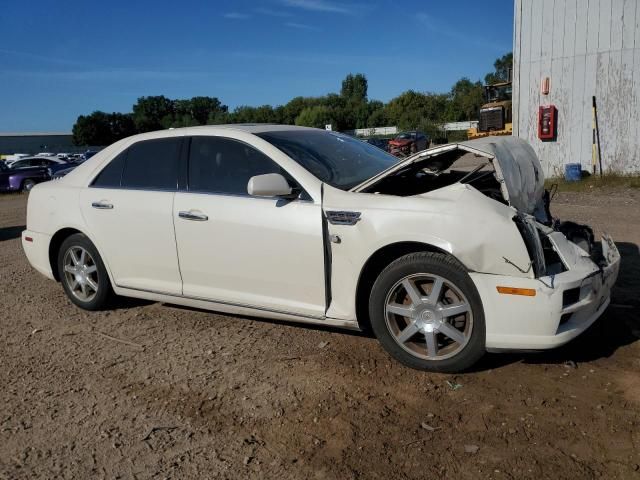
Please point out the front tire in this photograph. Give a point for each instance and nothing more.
(426, 312)
(83, 274)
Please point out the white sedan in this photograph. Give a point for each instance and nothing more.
(441, 259)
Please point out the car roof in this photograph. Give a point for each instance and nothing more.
(250, 128)
(253, 127)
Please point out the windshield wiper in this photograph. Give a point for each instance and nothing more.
(479, 167)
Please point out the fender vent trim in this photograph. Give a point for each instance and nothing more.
(343, 217)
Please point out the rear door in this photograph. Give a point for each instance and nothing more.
(128, 209)
(233, 248)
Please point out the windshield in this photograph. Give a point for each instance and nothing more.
(405, 136)
(498, 94)
(339, 160)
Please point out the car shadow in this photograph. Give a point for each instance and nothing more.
(618, 326)
(292, 323)
(9, 233)
(121, 303)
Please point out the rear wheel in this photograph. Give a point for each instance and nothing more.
(427, 313)
(82, 273)
(28, 184)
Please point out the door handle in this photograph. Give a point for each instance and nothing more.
(102, 205)
(198, 217)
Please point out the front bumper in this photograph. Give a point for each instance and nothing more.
(37, 251)
(564, 306)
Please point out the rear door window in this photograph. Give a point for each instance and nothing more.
(152, 165)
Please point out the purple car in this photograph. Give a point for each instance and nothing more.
(22, 179)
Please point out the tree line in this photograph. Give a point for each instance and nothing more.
(347, 110)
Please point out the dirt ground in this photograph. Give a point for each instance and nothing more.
(157, 391)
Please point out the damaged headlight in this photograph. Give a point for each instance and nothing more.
(544, 258)
(529, 233)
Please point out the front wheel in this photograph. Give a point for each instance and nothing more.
(427, 313)
(83, 274)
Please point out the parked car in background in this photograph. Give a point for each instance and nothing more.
(381, 143)
(53, 164)
(61, 173)
(408, 143)
(12, 158)
(21, 179)
(45, 154)
(88, 154)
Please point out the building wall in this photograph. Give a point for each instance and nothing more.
(586, 48)
(35, 143)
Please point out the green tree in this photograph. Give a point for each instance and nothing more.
(202, 107)
(102, 128)
(153, 113)
(92, 129)
(377, 116)
(354, 87)
(121, 125)
(317, 116)
(411, 108)
(465, 100)
(502, 67)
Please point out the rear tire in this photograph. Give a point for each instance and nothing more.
(82, 273)
(28, 184)
(427, 314)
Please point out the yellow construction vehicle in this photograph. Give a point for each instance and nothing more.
(495, 114)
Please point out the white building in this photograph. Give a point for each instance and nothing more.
(584, 48)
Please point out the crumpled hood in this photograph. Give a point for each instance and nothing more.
(517, 169)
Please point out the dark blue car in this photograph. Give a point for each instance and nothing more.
(53, 164)
(21, 179)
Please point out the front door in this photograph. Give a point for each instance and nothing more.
(233, 248)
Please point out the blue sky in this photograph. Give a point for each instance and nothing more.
(63, 58)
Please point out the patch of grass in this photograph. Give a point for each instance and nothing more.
(608, 181)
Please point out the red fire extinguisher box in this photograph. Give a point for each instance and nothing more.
(547, 127)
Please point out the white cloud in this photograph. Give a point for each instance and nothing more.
(117, 74)
(301, 26)
(317, 6)
(236, 16)
(41, 58)
(273, 13)
(439, 27)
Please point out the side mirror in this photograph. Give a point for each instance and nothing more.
(269, 185)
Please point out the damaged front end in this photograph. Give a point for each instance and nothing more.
(569, 277)
(575, 273)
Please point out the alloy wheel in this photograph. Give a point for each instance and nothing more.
(428, 316)
(81, 273)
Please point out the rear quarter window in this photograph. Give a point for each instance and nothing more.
(111, 175)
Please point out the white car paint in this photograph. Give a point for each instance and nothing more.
(277, 265)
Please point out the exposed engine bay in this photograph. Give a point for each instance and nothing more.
(512, 176)
(440, 171)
